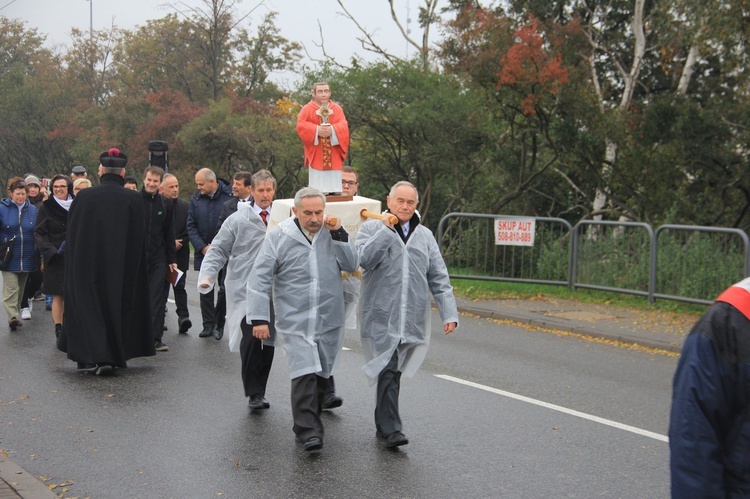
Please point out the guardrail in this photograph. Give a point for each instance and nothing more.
(676, 262)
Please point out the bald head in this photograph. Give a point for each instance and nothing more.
(205, 181)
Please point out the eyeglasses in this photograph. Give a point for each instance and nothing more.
(64, 186)
(349, 183)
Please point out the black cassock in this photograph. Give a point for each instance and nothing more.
(107, 307)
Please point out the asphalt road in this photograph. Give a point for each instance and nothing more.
(177, 425)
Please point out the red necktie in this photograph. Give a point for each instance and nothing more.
(263, 215)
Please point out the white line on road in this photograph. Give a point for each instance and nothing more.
(558, 408)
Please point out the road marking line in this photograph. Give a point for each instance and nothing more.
(571, 412)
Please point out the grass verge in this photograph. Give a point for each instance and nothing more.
(489, 290)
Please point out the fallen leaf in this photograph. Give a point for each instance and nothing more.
(110, 395)
(555, 427)
(3, 453)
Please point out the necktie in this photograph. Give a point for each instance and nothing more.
(405, 230)
(263, 216)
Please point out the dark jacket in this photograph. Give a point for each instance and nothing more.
(709, 432)
(49, 234)
(227, 209)
(203, 218)
(20, 224)
(160, 247)
(180, 209)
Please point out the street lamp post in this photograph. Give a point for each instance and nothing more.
(91, 19)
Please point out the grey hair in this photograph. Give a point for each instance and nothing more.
(403, 183)
(308, 192)
(263, 176)
(208, 174)
(167, 175)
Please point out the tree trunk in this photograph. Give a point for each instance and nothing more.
(630, 79)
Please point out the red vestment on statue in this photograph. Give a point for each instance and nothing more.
(323, 156)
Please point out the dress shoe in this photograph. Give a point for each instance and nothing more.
(184, 324)
(104, 369)
(331, 401)
(14, 323)
(218, 333)
(258, 402)
(207, 331)
(396, 439)
(313, 443)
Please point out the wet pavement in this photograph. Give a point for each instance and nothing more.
(646, 328)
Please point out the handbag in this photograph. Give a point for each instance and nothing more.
(6, 252)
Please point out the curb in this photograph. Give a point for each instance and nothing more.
(565, 327)
(23, 483)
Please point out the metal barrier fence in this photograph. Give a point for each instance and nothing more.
(695, 264)
(467, 241)
(612, 256)
(676, 262)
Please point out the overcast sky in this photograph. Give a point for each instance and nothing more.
(297, 20)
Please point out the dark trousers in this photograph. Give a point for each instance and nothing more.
(33, 284)
(156, 276)
(330, 386)
(307, 404)
(387, 419)
(180, 296)
(214, 315)
(256, 361)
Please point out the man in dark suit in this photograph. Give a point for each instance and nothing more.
(171, 190)
(160, 247)
(242, 191)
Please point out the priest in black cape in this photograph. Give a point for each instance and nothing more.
(107, 308)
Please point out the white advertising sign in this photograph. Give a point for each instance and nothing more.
(515, 231)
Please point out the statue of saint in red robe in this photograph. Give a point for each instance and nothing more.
(322, 127)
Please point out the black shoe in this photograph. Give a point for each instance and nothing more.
(258, 402)
(161, 347)
(331, 401)
(14, 323)
(396, 439)
(184, 324)
(207, 331)
(313, 443)
(164, 328)
(218, 333)
(104, 369)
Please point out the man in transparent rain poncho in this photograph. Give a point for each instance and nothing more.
(402, 266)
(301, 261)
(236, 245)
